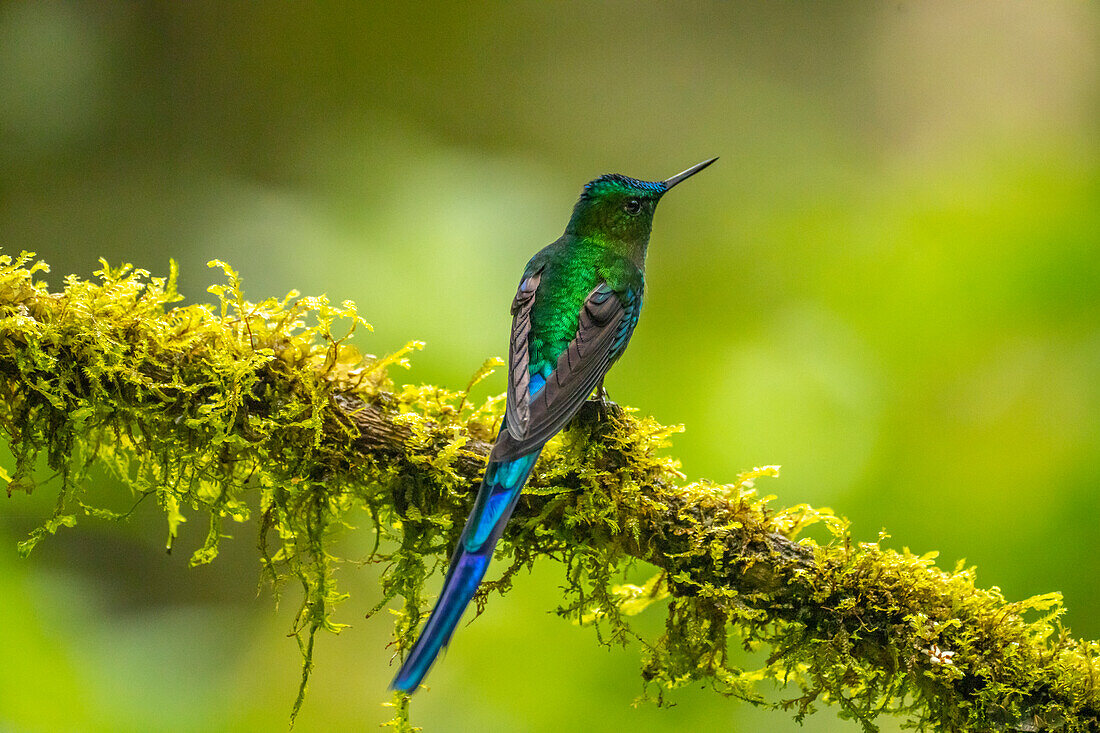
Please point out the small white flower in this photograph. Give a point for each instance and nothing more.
(939, 656)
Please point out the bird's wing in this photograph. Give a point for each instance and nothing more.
(518, 410)
(606, 321)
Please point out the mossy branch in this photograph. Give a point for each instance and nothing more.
(257, 409)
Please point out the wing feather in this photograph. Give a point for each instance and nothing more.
(518, 408)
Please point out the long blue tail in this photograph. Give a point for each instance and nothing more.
(497, 497)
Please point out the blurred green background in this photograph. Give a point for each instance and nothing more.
(888, 284)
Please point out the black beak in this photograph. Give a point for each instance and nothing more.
(670, 182)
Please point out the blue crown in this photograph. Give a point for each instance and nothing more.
(623, 184)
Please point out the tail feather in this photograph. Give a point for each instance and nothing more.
(465, 574)
(495, 502)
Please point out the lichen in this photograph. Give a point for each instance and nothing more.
(264, 413)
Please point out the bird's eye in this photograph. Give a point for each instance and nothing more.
(633, 206)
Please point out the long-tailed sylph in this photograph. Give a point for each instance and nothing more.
(574, 312)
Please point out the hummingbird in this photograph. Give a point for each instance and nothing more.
(574, 312)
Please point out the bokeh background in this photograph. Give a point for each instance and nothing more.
(888, 284)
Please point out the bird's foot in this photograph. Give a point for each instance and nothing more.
(600, 410)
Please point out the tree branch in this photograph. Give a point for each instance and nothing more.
(259, 407)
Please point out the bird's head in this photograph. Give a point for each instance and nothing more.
(619, 210)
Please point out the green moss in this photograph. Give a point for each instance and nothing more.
(262, 412)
